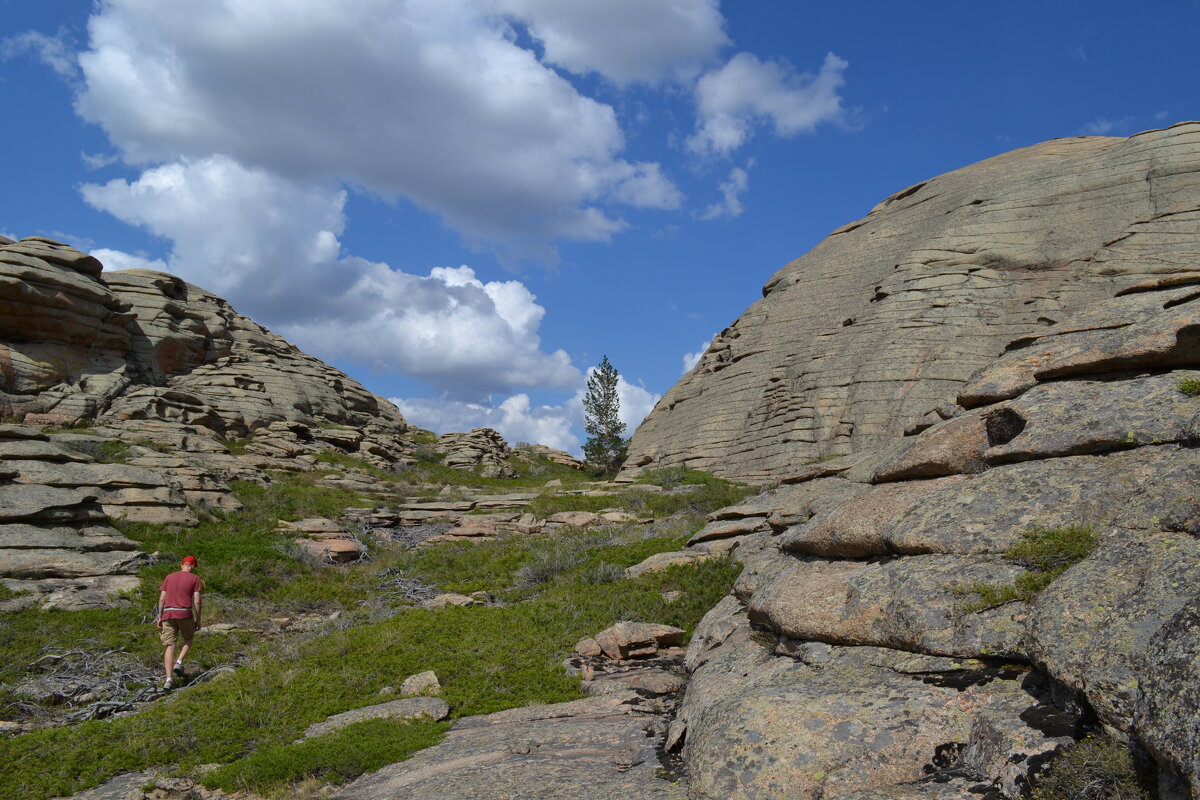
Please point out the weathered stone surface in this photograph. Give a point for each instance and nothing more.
(599, 747)
(23, 502)
(889, 317)
(1067, 418)
(647, 681)
(451, 599)
(861, 526)
(421, 683)
(764, 726)
(405, 708)
(482, 449)
(75, 594)
(1168, 703)
(637, 639)
(905, 604)
(661, 561)
(34, 562)
(1150, 328)
(1092, 628)
(83, 538)
(726, 528)
(574, 519)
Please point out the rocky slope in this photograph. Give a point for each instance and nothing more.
(878, 327)
(889, 671)
(129, 388)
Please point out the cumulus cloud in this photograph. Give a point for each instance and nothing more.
(270, 245)
(625, 40)
(430, 99)
(515, 418)
(746, 92)
(518, 420)
(692, 359)
(731, 200)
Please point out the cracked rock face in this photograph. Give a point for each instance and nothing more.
(886, 320)
(804, 677)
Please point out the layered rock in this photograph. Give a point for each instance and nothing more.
(160, 364)
(78, 343)
(483, 449)
(893, 659)
(882, 323)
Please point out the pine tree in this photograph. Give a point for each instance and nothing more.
(605, 448)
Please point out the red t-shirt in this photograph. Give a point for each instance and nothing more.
(179, 586)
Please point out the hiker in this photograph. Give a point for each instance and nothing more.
(178, 615)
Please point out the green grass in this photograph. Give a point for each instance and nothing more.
(557, 590)
(1045, 553)
(708, 494)
(1190, 387)
(487, 658)
(334, 758)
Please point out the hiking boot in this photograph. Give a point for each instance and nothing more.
(167, 685)
(178, 670)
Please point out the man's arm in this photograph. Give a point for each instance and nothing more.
(158, 612)
(196, 608)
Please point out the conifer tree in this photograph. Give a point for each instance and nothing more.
(605, 448)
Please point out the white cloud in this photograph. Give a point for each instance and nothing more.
(514, 418)
(625, 40)
(747, 92)
(270, 246)
(52, 51)
(1102, 126)
(518, 420)
(430, 99)
(731, 201)
(692, 359)
(118, 260)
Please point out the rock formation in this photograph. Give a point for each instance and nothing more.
(894, 656)
(876, 329)
(482, 449)
(169, 382)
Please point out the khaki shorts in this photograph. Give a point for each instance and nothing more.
(175, 629)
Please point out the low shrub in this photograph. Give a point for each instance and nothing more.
(1098, 767)
(1190, 387)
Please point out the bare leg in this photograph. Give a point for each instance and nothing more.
(187, 645)
(169, 660)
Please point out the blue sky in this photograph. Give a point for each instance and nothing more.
(464, 204)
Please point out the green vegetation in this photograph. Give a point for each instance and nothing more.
(553, 591)
(708, 493)
(1097, 767)
(1046, 553)
(335, 758)
(1190, 387)
(107, 451)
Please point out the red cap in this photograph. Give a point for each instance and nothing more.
(189, 559)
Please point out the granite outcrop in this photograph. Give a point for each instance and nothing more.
(877, 329)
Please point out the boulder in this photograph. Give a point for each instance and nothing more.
(596, 747)
(421, 683)
(433, 708)
(637, 639)
(483, 450)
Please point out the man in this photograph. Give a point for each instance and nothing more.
(178, 615)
